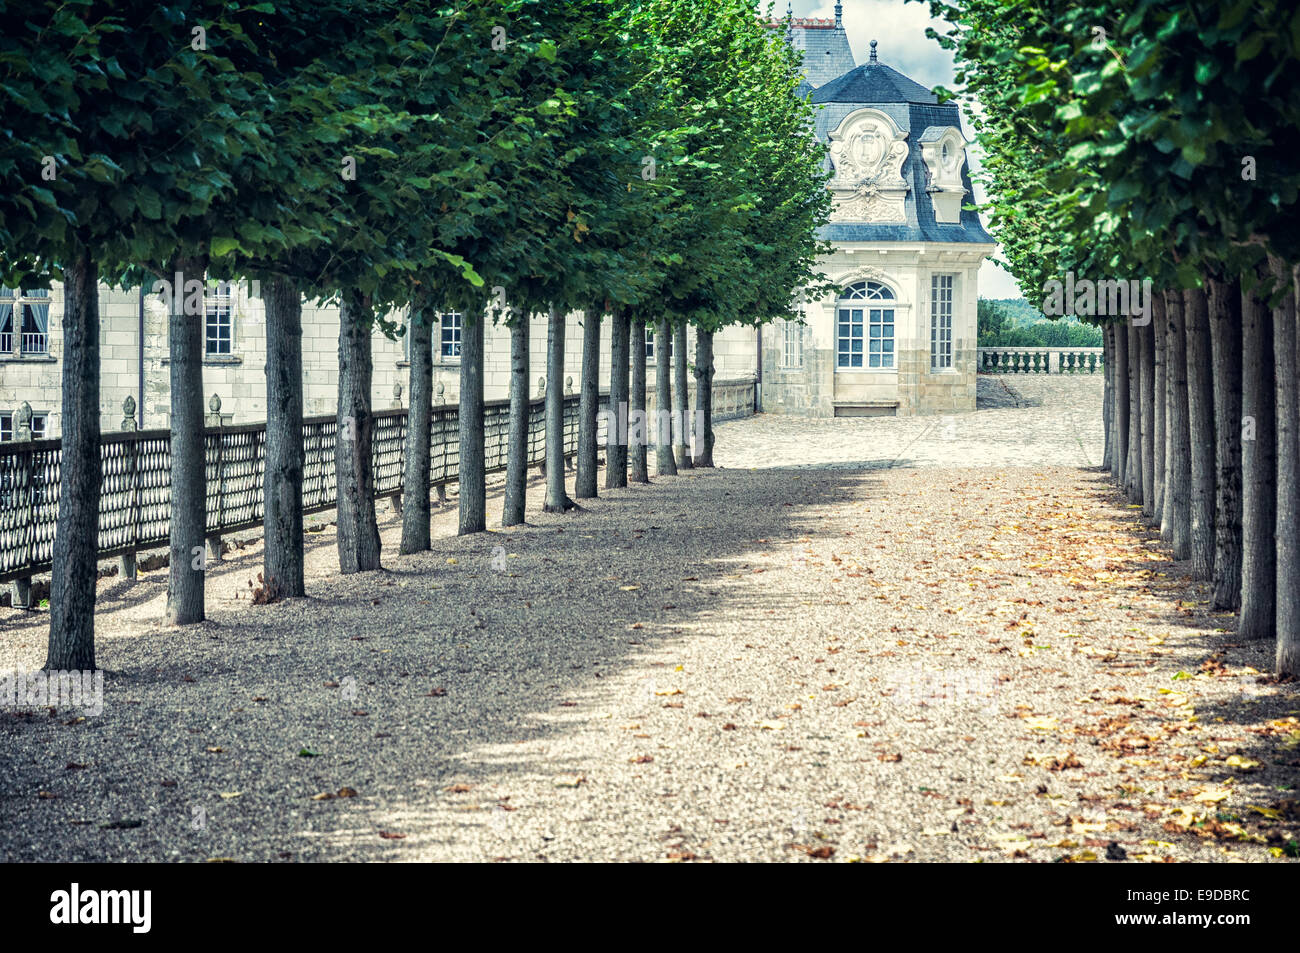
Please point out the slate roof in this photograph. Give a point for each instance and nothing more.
(837, 81)
(916, 119)
(825, 48)
(873, 83)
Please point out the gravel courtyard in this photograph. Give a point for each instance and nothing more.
(926, 639)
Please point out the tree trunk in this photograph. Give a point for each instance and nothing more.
(1147, 412)
(1200, 416)
(1158, 417)
(189, 485)
(1178, 456)
(1285, 344)
(636, 406)
(1225, 343)
(584, 482)
(473, 463)
(1133, 465)
(1121, 402)
(285, 458)
(1108, 397)
(557, 499)
(616, 441)
(704, 398)
(664, 462)
(358, 530)
(681, 399)
(416, 510)
(76, 536)
(516, 501)
(1258, 472)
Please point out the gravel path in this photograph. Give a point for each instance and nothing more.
(915, 663)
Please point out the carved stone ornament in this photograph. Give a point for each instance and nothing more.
(867, 153)
(944, 152)
(862, 273)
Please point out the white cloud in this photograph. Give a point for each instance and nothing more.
(898, 28)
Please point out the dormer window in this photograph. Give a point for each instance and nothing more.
(944, 150)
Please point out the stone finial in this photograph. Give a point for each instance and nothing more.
(873, 51)
(839, 15)
(128, 413)
(397, 395)
(440, 390)
(568, 384)
(23, 422)
(214, 403)
(541, 386)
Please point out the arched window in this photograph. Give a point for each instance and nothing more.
(868, 290)
(865, 327)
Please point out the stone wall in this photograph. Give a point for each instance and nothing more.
(239, 379)
(912, 388)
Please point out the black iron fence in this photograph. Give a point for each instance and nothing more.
(135, 484)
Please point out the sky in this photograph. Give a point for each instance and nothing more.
(899, 29)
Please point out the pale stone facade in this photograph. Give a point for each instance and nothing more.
(239, 378)
(817, 387)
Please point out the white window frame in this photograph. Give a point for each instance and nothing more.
(792, 345)
(218, 307)
(453, 322)
(650, 344)
(9, 425)
(943, 295)
(18, 341)
(867, 305)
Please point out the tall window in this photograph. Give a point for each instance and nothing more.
(650, 343)
(941, 287)
(219, 320)
(792, 344)
(865, 329)
(24, 321)
(449, 329)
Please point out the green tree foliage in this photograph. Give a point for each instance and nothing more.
(1014, 322)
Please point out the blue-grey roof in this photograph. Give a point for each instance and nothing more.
(843, 87)
(920, 225)
(873, 83)
(825, 48)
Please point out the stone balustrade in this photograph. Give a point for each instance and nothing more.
(1040, 360)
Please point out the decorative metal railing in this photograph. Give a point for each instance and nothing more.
(1040, 360)
(135, 484)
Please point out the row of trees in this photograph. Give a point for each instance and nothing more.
(1148, 141)
(640, 161)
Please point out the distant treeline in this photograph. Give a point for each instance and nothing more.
(1014, 322)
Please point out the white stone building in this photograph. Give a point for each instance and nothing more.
(899, 336)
